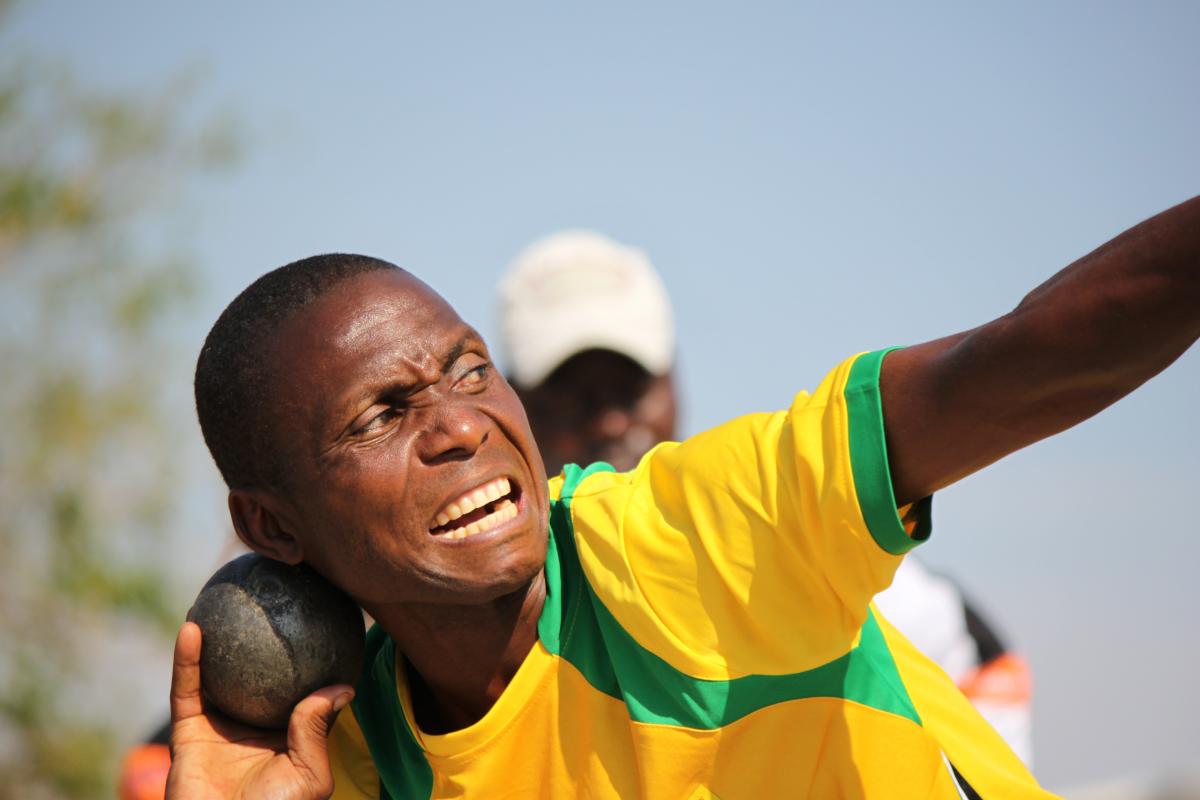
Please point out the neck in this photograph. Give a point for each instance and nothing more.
(460, 659)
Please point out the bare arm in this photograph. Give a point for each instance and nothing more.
(1079, 342)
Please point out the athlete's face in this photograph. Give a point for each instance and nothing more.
(412, 473)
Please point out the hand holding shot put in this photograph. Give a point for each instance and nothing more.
(701, 625)
(273, 638)
(215, 756)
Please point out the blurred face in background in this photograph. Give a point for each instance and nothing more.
(600, 405)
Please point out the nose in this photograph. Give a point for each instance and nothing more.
(455, 432)
(613, 422)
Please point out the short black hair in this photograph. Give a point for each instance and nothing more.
(232, 373)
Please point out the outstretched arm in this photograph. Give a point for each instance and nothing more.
(1079, 342)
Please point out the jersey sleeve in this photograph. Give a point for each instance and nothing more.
(756, 547)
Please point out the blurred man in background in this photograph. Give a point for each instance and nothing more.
(590, 348)
(589, 341)
(932, 611)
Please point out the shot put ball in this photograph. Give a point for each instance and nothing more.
(271, 635)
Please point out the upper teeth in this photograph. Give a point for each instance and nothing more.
(476, 498)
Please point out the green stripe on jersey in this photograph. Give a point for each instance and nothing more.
(403, 769)
(869, 461)
(614, 663)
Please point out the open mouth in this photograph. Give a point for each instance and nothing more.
(478, 510)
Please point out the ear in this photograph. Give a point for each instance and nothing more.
(257, 522)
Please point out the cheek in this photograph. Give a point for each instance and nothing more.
(506, 409)
(566, 442)
(656, 411)
(371, 557)
(363, 508)
(508, 414)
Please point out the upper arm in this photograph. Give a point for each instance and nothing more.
(955, 405)
(928, 446)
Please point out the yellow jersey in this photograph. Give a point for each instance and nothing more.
(708, 633)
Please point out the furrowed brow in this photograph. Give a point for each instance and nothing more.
(455, 353)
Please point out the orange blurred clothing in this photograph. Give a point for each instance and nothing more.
(1006, 679)
(144, 772)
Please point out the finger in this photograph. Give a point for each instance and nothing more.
(185, 675)
(308, 733)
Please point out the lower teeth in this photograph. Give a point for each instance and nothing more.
(502, 509)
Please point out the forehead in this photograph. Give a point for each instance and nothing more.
(385, 308)
(382, 327)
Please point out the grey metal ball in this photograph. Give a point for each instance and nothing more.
(273, 634)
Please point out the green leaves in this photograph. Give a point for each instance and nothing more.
(92, 292)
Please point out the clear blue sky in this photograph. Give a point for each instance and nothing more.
(810, 182)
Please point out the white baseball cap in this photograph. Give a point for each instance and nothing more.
(577, 290)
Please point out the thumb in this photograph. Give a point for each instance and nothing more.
(308, 734)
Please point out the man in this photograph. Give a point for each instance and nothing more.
(589, 340)
(932, 611)
(698, 627)
(588, 337)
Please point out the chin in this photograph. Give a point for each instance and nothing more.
(504, 573)
(514, 574)
(504, 586)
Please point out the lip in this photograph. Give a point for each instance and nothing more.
(505, 497)
(501, 531)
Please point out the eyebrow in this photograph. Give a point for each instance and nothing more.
(456, 352)
(452, 355)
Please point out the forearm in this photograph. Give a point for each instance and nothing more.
(1082, 340)
(1120, 314)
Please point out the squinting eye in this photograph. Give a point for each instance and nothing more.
(381, 419)
(476, 375)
